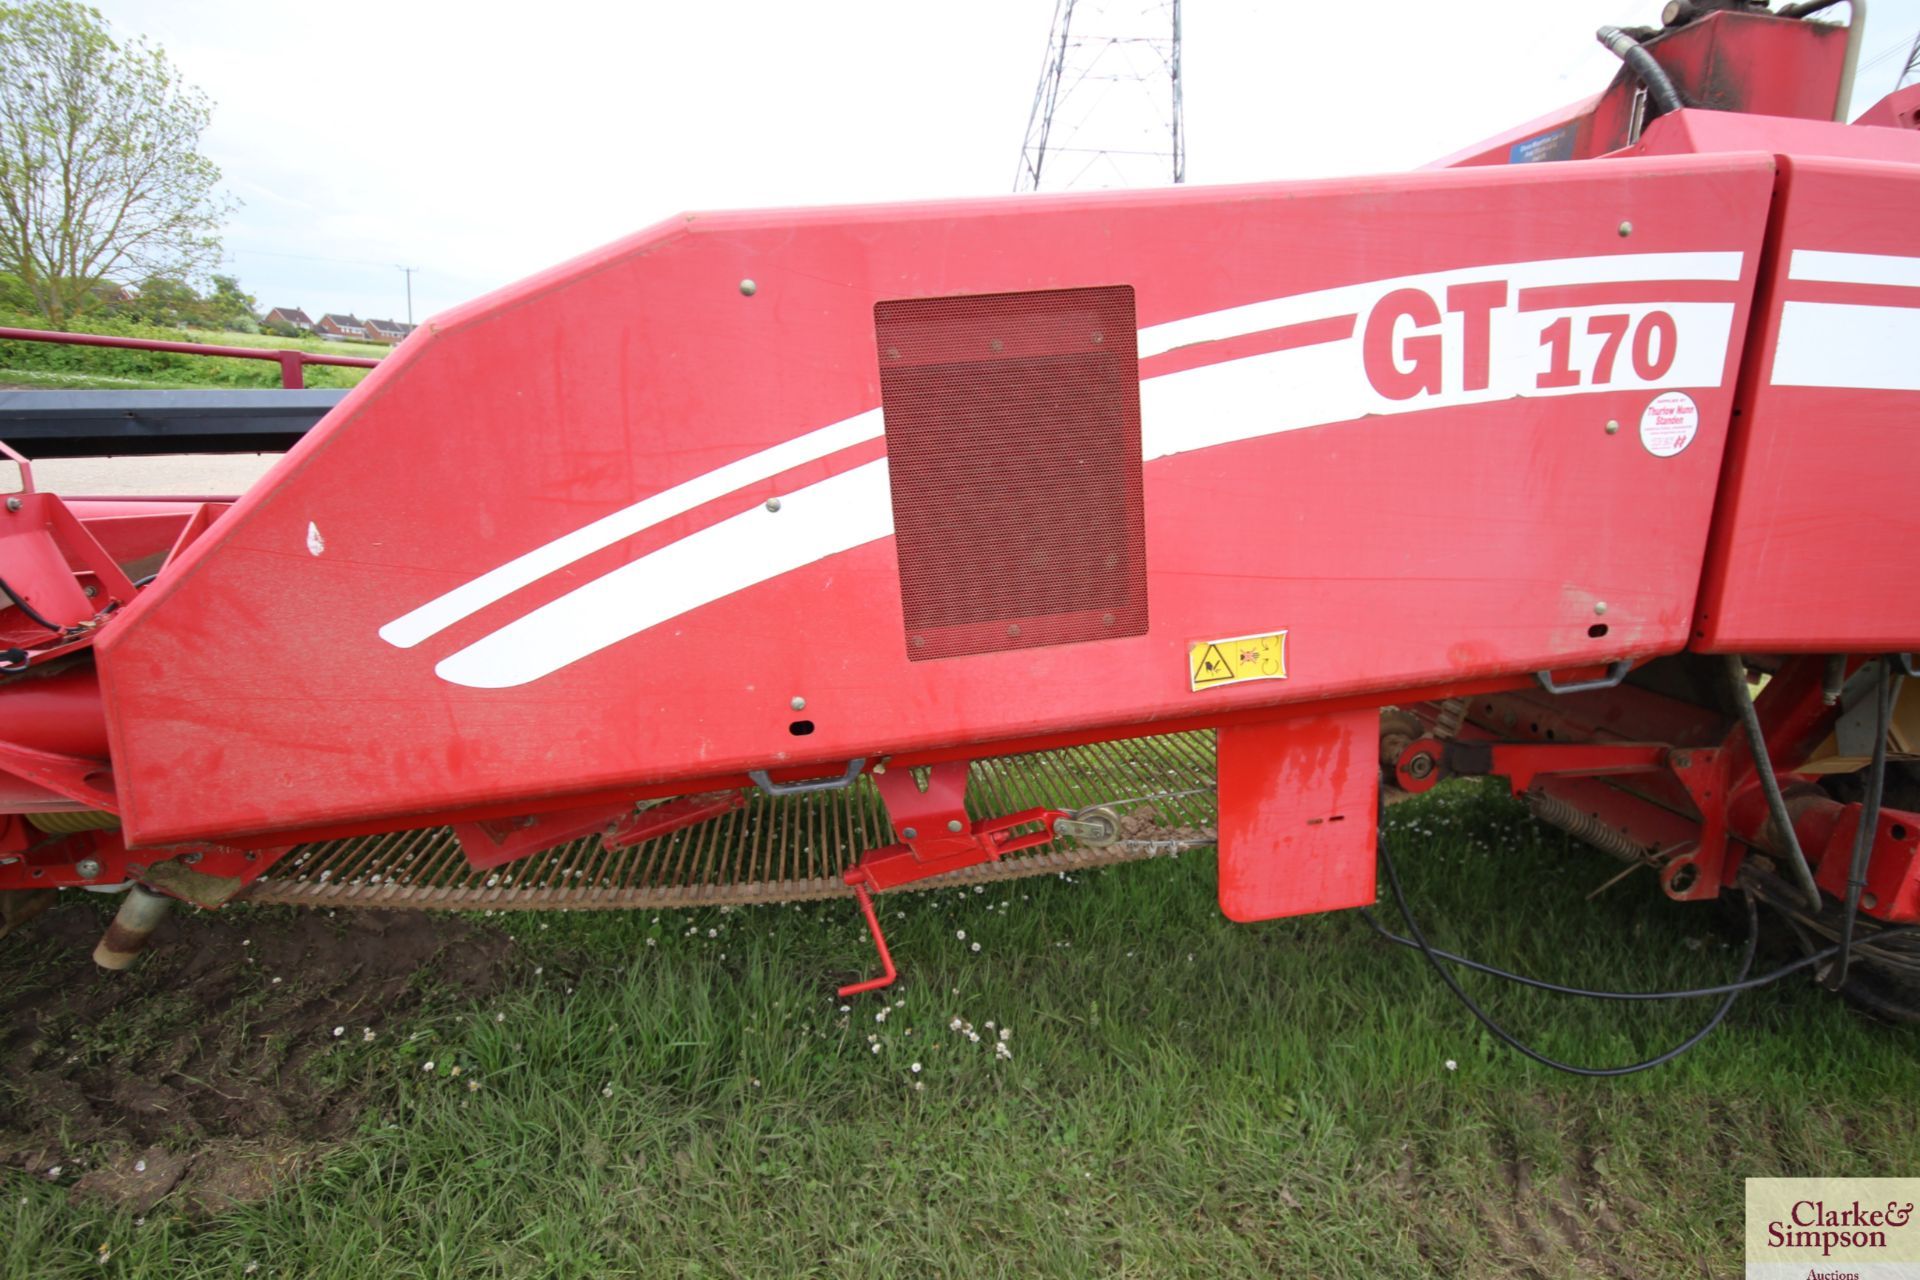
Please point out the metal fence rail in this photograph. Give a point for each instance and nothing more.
(292, 363)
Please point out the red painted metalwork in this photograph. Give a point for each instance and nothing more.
(929, 813)
(1701, 807)
(887, 972)
(1298, 815)
(673, 815)
(1521, 763)
(561, 553)
(496, 842)
(1383, 588)
(292, 363)
(1815, 519)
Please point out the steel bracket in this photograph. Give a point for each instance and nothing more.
(929, 813)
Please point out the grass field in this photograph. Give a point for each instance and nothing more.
(640, 1095)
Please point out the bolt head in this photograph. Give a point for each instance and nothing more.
(911, 834)
(748, 288)
(13, 504)
(1599, 606)
(798, 704)
(1420, 766)
(955, 825)
(87, 868)
(773, 504)
(90, 591)
(1613, 426)
(1626, 228)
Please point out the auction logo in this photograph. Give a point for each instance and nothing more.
(1832, 1229)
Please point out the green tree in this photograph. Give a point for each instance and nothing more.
(163, 300)
(100, 171)
(229, 306)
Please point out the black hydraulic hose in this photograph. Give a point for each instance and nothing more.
(33, 614)
(1652, 74)
(1885, 690)
(1515, 1043)
(1691, 993)
(1763, 765)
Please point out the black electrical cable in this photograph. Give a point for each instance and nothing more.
(33, 614)
(1514, 1042)
(1652, 74)
(1884, 691)
(1769, 784)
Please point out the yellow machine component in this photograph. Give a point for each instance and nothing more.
(73, 822)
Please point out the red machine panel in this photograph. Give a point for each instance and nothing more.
(1814, 544)
(1299, 814)
(615, 525)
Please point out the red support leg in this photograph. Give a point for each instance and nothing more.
(887, 972)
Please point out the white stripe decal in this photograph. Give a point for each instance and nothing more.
(813, 522)
(1192, 409)
(1854, 268)
(1844, 344)
(495, 585)
(1257, 317)
(1314, 386)
(1180, 412)
(463, 601)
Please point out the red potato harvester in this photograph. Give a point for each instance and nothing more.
(861, 549)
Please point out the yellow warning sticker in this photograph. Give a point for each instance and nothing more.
(1212, 663)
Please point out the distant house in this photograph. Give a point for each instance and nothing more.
(387, 330)
(333, 326)
(292, 317)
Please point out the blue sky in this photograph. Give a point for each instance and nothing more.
(480, 142)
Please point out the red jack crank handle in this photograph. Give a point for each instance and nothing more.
(888, 973)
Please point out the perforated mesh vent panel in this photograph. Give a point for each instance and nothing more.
(1013, 443)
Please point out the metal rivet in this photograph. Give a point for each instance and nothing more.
(1099, 338)
(87, 868)
(13, 504)
(1626, 228)
(89, 591)
(911, 834)
(798, 704)
(773, 504)
(954, 824)
(919, 642)
(1106, 619)
(749, 288)
(1613, 427)
(1014, 630)
(1599, 606)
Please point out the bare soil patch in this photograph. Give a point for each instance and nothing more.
(205, 1072)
